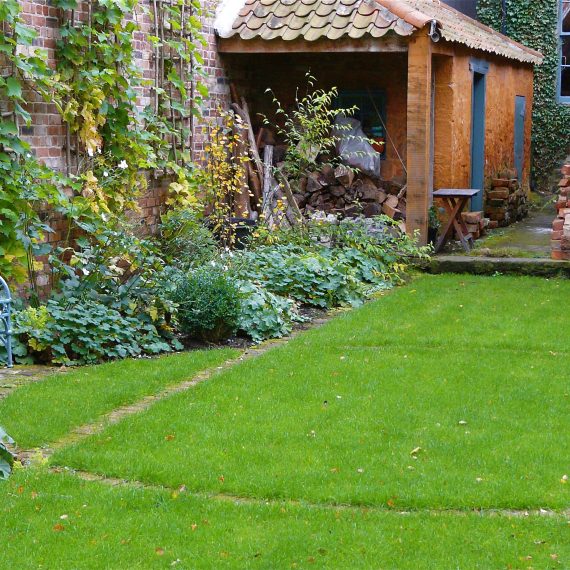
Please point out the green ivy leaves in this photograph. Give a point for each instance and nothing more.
(535, 24)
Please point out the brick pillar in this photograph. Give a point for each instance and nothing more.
(419, 133)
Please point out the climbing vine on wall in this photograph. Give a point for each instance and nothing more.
(26, 186)
(116, 142)
(112, 145)
(535, 24)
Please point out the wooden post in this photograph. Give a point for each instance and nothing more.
(419, 133)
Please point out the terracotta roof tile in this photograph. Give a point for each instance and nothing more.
(457, 27)
(314, 19)
(333, 19)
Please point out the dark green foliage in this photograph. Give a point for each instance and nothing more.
(535, 24)
(107, 302)
(263, 314)
(6, 457)
(185, 241)
(79, 332)
(308, 276)
(208, 303)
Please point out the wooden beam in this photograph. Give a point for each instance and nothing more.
(387, 44)
(443, 48)
(419, 133)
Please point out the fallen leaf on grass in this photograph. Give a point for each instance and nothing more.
(58, 527)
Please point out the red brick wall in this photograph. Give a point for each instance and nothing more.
(47, 134)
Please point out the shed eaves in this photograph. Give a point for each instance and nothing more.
(312, 20)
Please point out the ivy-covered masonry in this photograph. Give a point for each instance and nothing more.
(535, 24)
(97, 101)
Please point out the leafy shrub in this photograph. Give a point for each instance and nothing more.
(6, 457)
(185, 241)
(208, 303)
(79, 332)
(264, 315)
(375, 247)
(309, 277)
(306, 127)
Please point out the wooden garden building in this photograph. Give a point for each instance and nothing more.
(455, 97)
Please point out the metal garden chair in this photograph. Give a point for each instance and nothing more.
(5, 323)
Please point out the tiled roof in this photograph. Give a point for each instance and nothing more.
(315, 19)
(311, 20)
(457, 27)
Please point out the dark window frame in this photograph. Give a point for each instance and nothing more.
(561, 63)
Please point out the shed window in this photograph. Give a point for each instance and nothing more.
(371, 112)
(565, 51)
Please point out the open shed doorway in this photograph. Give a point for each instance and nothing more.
(375, 84)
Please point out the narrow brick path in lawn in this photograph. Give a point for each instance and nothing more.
(29, 456)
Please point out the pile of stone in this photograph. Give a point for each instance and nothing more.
(343, 192)
(560, 236)
(505, 202)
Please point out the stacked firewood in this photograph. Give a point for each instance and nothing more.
(475, 223)
(344, 192)
(505, 202)
(560, 237)
(339, 190)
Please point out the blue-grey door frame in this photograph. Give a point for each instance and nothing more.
(520, 118)
(479, 69)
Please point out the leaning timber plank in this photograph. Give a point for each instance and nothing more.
(290, 198)
(243, 112)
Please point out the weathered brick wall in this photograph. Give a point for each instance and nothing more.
(47, 134)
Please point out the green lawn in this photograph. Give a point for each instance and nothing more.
(45, 411)
(57, 521)
(367, 443)
(334, 416)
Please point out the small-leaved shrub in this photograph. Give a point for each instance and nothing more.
(208, 303)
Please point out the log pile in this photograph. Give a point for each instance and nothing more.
(505, 202)
(560, 236)
(339, 190)
(347, 194)
(476, 223)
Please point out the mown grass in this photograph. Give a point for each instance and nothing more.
(44, 411)
(58, 521)
(449, 393)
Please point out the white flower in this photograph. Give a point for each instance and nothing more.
(123, 165)
(213, 263)
(106, 174)
(29, 155)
